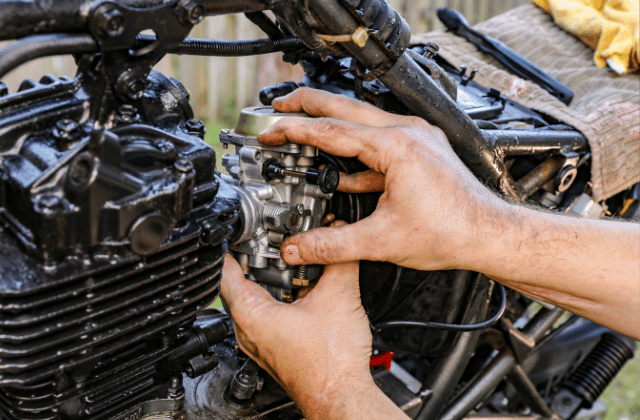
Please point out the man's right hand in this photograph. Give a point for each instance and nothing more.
(432, 207)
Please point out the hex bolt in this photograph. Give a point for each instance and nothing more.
(183, 165)
(212, 232)
(196, 127)
(175, 385)
(131, 84)
(109, 22)
(431, 49)
(190, 12)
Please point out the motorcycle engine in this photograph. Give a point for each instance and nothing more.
(111, 240)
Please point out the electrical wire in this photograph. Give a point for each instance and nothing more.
(449, 327)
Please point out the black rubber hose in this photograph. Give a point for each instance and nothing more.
(450, 327)
(38, 46)
(212, 47)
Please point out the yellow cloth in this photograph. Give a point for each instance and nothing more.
(610, 27)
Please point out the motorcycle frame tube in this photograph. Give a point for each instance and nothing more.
(450, 368)
(534, 142)
(19, 18)
(501, 365)
(416, 90)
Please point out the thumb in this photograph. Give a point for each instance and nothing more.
(245, 299)
(358, 241)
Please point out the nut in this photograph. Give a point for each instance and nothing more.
(196, 127)
(190, 12)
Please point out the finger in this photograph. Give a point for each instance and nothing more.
(336, 244)
(339, 138)
(318, 103)
(361, 182)
(245, 299)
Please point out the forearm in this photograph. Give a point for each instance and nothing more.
(590, 267)
(357, 400)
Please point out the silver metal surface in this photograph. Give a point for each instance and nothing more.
(275, 209)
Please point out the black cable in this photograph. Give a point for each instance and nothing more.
(450, 327)
(216, 48)
(38, 46)
(392, 293)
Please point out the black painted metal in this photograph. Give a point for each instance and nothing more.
(488, 379)
(108, 246)
(599, 368)
(450, 368)
(533, 142)
(426, 99)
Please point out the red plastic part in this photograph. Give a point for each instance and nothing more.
(383, 358)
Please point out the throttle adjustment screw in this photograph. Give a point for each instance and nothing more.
(326, 178)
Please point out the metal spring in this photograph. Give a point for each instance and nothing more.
(599, 368)
(274, 210)
(301, 272)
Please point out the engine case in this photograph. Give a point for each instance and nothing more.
(112, 238)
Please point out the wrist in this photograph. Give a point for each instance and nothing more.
(340, 398)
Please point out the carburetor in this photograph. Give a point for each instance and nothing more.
(284, 191)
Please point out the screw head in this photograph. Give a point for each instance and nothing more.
(127, 114)
(183, 165)
(431, 49)
(81, 170)
(66, 129)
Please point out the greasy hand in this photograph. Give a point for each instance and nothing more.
(432, 209)
(315, 346)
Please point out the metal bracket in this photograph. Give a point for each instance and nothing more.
(116, 26)
(521, 343)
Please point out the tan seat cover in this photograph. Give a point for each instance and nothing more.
(605, 108)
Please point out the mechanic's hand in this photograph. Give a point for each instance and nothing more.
(318, 347)
(433, 209)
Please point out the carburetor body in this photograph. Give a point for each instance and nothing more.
(283, 193)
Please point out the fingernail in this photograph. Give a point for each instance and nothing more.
(291, 253)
